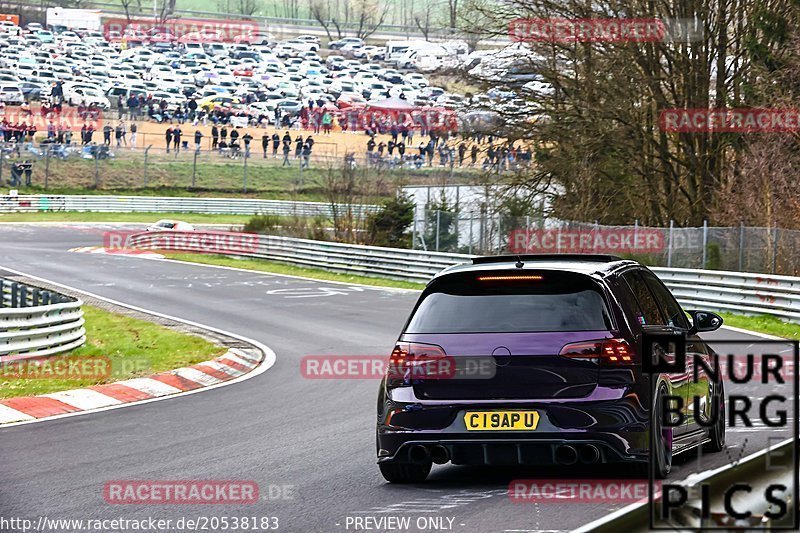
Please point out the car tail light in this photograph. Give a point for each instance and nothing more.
(414, 360)
(605, 351)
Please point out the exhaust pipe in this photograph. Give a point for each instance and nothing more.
(566, 455)
(439, 454)
(589, 454)
(418, 454)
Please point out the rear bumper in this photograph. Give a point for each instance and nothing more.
(543, 451)
(568, 432)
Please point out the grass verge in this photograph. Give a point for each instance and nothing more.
(272, 267)
(763, 324)
(122, 348)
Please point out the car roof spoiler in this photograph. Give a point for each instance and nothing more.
(596, 258)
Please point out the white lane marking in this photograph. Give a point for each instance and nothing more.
(752, 333)
(274, 274)
(435, 504)
(266, 364)
(83, 398)
(314, 292)
(150, 386)
(9, 415)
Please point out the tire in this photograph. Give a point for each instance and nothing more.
(661, 456)
(405, 472)
(717, 432)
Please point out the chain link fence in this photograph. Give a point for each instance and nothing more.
(737, 248)
(98, 166)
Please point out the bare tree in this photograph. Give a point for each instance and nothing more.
(369, 15)
(598, 124)
(324, 12)
(422, 20)
(247, 7)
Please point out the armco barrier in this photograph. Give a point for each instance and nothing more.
(734, 292)
(166, 204)
(37, 323)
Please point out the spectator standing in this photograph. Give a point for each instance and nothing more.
(107, 129)
(298, 146)
(276, 143)
(198, 139)
(307, 152)
(234, 135)
(473, 154)
(214, 137)
(265, 143)
(133, 129)
(176, 138)
(327, 121)
(223, 135)
(287, 149)
(462, 149)
(168, 137)
(118, 134)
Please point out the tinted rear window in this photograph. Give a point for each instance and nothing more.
(464, 303)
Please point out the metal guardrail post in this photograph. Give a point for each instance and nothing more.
(46, 166)
(14, 295)
(414, 229)
(669, 248)
(471, 221)
(438, 227)
(23, 296)
(705, 242)
(741, 246)
(775, 249)
(146, 154)
(194, 168)
(244, 177)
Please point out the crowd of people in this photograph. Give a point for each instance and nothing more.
(451, 151)
(436, 134)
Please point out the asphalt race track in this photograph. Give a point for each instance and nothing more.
(277, 428)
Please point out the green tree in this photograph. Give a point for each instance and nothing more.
(389, 226)
(442, 220)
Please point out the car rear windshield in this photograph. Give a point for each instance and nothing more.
(511, 301)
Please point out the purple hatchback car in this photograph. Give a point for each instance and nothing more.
(536, 360)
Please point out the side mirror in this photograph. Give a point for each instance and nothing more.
(704, 321)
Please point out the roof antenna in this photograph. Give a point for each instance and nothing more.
(519, 264)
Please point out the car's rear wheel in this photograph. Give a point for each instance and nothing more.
(405, 472)
(661, 449)
(661, 454)
(717, 433)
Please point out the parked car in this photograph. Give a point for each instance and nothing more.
(339, 43)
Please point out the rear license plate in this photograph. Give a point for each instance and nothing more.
(501, 420)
